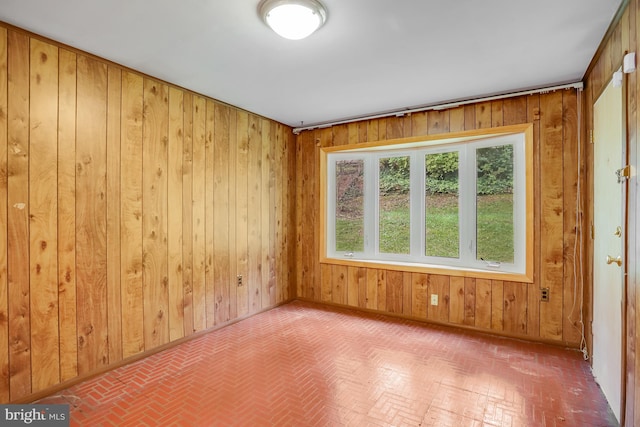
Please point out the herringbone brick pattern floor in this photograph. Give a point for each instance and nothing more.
(307, 365)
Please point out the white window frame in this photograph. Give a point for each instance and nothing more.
(465, 143)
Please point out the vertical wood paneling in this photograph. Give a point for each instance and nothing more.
(382, 290)
(419, 283)
(533, 299)
(394, 291)
(268, 215)
(66, 213)
(571, 330)
(438, 285)
(357, 283)
(198, 212)
(483, 115)
(114, 290)
(18, 214)
(233, 147)
(419, 123)
(497, 113)
(515, 311)
(514, 111)
(154, 217)
(209, 270)
(407, 293)
(4, 303)
(497, 305)
(483, 304)
(457, 300)
(254, 214)
(174, 214)
(242, 211)
(456, 119)
(131, 214)
(91, 239)
(43, 215)
(438, 122)
(312, 288)
(551, 186)
(119, 201)
(469, 301)
(338, 283)
(221, 213)
(326, 283)
(187, 214)
(372, 289)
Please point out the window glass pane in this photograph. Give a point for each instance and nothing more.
(350, 205)
(394, 222)
(494, 195)
(441, 205)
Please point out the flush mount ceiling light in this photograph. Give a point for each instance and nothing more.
(293, 19)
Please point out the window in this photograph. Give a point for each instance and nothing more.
(458, 202)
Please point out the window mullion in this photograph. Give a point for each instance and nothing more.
(417, 204)
(370, 205)
(467, 186)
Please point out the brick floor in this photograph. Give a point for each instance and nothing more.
(303, 364)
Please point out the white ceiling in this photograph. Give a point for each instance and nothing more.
(372, 56)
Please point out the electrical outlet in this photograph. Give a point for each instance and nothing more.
(239, 280)
(544, 294)
(434, 299)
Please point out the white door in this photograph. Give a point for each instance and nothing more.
(609, 146)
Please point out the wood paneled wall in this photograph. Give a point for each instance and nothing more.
(497, 306)
(128, 207)
(623, 37)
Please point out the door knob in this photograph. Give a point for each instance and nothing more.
(618, 232)
(616, 260)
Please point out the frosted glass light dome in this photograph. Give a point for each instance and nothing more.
(293, 19)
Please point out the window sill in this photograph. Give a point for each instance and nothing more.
(441, 270)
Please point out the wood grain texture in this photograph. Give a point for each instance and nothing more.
(131, 215)
(571, 330)
(209, 209)
(483, 304)
(43, 215)
(268, 225)
(187, 214)
(4, 290)
(154, 216)
(18, 215)
(552, 225)
(515, 314)
(233, 262)
(198, 214)
(254, 214)
(372, 289)
(174, 214)
(533, 299)
(114, 289)
(91, 227)
(497, 305)
(338, 281)
(439, 285)
(394, 291)
(242, 212)
(457, 300)
(421, 297)
(357, 285)
(222, 278)
(109, 187)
